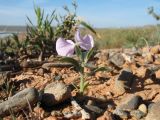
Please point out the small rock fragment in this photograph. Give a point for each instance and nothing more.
(137, 114)
(143, 108)
(122, 114)
(130, 103)
(40, 72)
(56, 113)
(94, 109)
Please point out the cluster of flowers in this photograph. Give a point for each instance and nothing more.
(67, 47)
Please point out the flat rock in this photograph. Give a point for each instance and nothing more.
(153, 113)
(94, 109)
(130, 103)
(117, 59)
(123, 81)
(55, 93)
(19, 101)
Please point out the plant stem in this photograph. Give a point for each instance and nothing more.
(81, 84)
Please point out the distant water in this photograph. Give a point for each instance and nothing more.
(5, 35)
(6, 30)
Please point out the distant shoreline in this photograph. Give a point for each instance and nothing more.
(16, 28)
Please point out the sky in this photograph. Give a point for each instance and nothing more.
(98, 13)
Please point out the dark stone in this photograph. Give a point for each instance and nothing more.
(58, 77)
(130, 103)
(6, 68)
(94, 109)
(124, 81)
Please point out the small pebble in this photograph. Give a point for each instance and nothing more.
(137, 114)
(90, 102)
(122, 114)
(110, 107)
(143, 108)
(56, 113)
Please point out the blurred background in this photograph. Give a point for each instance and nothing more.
(120, 23)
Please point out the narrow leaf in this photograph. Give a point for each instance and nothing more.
(85, 85)
(89, 54)
(72, 61)
(101, 69)
(78, 52)
(90, 28)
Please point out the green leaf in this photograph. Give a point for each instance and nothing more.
(78, 52)
(90, 28)
(83, 86)
(89, 54)
(29, 20)
(53, 16)
(72, 61)
(15, 38)
(101, 69)
(86, 84)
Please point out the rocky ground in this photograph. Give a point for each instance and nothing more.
(129, 90)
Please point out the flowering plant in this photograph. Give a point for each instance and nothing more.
(83, 47)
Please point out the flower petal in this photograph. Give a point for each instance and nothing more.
(87, 42)
(78, 37)
(64, 47)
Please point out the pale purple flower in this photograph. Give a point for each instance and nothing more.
(85, 42)
(66, 47)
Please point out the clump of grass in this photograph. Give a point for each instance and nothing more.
(127, 37)
(8, 87)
